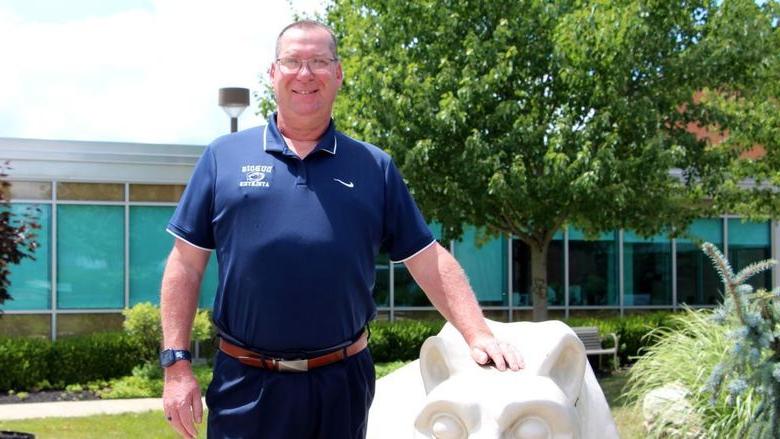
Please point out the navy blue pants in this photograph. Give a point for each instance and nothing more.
(327, 402)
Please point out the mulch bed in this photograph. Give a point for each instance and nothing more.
(48, 396)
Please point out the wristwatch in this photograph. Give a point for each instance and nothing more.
(170, 356)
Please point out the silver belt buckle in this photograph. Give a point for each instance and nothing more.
(293, 365)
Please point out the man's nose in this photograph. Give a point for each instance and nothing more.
(305, 70)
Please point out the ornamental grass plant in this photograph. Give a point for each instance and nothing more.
(726, 361)
(684, 357)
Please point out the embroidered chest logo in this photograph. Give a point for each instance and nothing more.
(256, 176)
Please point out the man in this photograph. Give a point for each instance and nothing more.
(297, 212)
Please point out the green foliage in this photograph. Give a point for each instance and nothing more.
(632, 331)
(752, 363)
(146, 381)
(101, 355)
(29, 363)
(685, 356)
(74, 388)
(23, 362)
(400, 340)
(728, 360)
(383, 369)
(751, 110)
(538, 114)
(143, 325)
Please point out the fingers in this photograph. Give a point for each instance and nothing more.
(187, 421)
(181, 420)
(183, 406)
(197, 407)
(503, 355)
(513, 358)
(176, 423)
(496, 355)
(479, 355)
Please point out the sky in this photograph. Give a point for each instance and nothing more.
(144, 71)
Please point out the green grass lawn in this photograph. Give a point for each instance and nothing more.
(628, 418)
(153, 425)
(129, 425)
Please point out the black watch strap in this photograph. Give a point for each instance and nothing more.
(170, 356)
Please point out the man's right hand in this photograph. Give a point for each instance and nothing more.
(181, 399)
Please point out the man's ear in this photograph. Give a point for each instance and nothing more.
(339, 73)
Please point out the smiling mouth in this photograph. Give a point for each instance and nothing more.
(304, 92)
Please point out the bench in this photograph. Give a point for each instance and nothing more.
(590, 337)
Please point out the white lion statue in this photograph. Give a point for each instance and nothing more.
(446, 395)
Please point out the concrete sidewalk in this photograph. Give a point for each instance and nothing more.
(72, 409)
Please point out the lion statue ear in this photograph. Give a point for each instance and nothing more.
(565, 365)
(437, 357)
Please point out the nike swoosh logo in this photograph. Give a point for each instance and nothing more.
(349, 185)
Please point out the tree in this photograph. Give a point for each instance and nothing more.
(527, 117)
(17, 235)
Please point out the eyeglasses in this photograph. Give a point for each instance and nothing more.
(315, 65)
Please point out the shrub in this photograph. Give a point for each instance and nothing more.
(102, 355)
(752, 365)
(36, 364)
(631, 330)
(23, 362)
(727, 360)
(401, 340)
(143, 325)
(685, 356)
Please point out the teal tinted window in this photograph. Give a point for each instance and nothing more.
(748, 243)
(697, 281)
(485, 265)
(31, 279)
(647, 270)
(593, 269)
(150, 245)
(521, 273)
(90, 256)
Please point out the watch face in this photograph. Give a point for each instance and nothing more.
(167, 357)
(170, 356)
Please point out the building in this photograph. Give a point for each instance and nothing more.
(103, 207)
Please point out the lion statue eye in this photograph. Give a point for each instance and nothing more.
(532, 428)
(447, 426)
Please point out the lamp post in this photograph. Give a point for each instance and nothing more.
(233, 100)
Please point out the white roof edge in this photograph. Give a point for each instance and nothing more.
(4, 141)
(43, 159)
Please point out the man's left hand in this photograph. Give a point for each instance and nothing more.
(488, 348)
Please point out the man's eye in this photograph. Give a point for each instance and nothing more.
(319, 63)
(291, 63)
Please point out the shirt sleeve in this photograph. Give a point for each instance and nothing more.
(192, 220)
(405, 231)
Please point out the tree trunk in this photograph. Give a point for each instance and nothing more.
(539, 280)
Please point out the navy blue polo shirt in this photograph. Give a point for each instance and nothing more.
(296, 240)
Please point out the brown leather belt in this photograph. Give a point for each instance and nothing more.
(251, 358)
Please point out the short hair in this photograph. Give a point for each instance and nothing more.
(309, 24)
